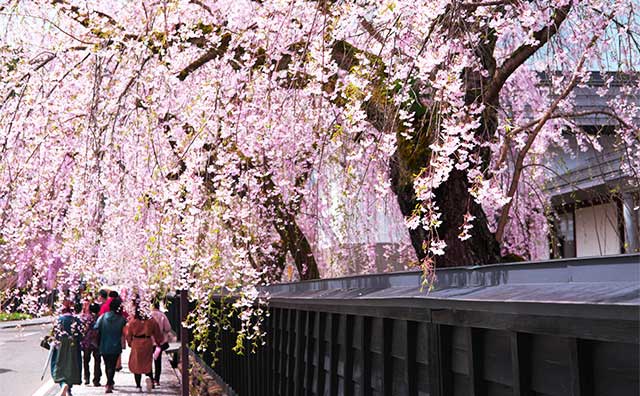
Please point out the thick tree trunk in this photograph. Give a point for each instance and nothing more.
(291, 235)
(452, 197)
(298, 245)
(454, 201)
(402, 186)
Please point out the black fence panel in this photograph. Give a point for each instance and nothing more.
(567, 327)
(173, 313)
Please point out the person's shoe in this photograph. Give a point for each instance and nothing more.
(96, 383)
(108, 389)
(86, 382)
(65, 390)
(139, 389)
(149, 384)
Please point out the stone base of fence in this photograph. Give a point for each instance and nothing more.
(203, 380)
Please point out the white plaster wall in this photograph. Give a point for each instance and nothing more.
(597, 231)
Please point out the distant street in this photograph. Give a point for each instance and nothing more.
(22, 360)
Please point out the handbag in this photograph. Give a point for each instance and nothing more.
(45, 342)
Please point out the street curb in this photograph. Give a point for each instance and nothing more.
(26, 323)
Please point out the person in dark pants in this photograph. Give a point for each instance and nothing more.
(90, 343)
(165, 329)
(105, 308)
(110, 326)
(110, 361)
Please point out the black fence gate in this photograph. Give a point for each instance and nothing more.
(566, 327)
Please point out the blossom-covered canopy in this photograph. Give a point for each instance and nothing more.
(209, 144)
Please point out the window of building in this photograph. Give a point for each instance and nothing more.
(565, 245)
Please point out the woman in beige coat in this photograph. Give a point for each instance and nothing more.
(141, 333)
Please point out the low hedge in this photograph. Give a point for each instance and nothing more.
(6, 316)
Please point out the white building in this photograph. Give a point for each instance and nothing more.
(595, 202)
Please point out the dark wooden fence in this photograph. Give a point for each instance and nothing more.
(566, 327)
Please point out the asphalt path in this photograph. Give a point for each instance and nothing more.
(22, 360)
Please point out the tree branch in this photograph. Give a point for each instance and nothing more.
(522, 53)
(504, 215)
(211, 54)
(489, 3)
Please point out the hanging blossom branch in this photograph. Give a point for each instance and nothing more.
(522, 155)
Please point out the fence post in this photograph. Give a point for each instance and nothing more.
(184, 342)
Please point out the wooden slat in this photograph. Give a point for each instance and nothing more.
(333, 355)
(270, 358)
(474, 360)
(387, 359)
(234, 360)
(225, 355)
(574, 368)
(298, 360)
(348, 355)
(264, 372)
(248, 364)
(308, 370)
(230, 358)
(365, 346)
(276, 336)
(440, 360)
(263, 354)
(283, 355)
(291, 345)
(270, 355)
(579, 364)
(236, 363)
(521, 363)
(410, 358)
(259, 381)
(320, 353)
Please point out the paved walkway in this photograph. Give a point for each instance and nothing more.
(27, 322)
(125, 384)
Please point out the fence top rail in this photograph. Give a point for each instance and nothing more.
(609, 280)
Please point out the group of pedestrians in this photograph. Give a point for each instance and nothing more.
(101, 331)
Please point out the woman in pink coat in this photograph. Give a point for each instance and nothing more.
(142, 333)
